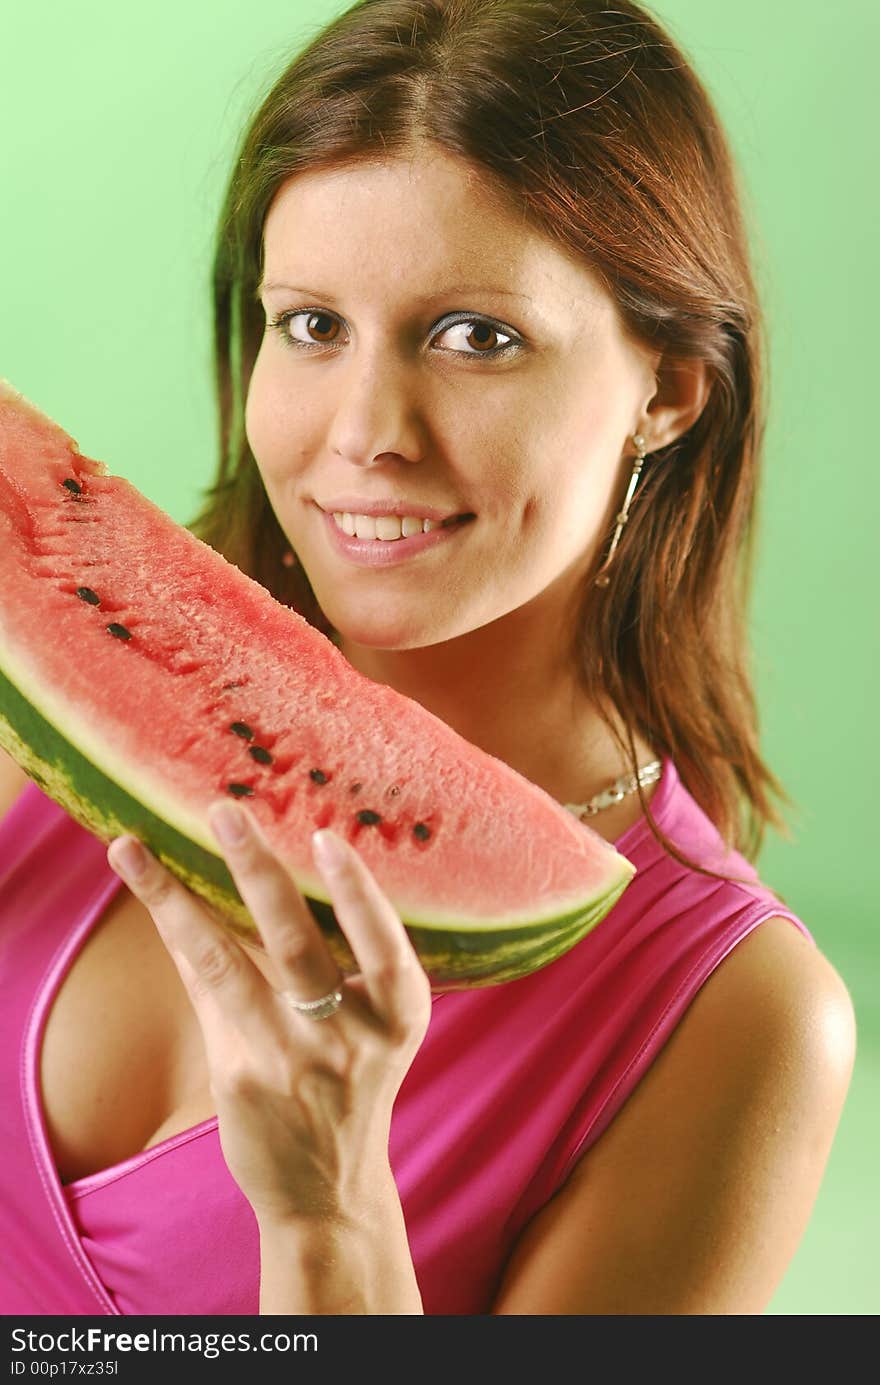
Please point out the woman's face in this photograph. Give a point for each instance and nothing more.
(436, 355)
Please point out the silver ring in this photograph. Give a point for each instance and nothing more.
(319, 1009)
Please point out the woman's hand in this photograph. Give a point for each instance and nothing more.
(303, 1103)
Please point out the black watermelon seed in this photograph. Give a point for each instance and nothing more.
(393, 791)
(241, 729)
(318, 775)
(239, 789)
(119, 631)
(73, 486)
(259, 753)
(368, 817)
(355, 787)
(227, 686)
(86, 594)
(421, 831)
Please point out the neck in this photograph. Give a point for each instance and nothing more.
(516, 699)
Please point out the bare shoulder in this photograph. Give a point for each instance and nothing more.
(695, 1198)
(12, 781)
(790, 992)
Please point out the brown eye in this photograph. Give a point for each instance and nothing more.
(482, 336)
(472, 336)
(321, 325)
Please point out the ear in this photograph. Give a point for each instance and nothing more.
(682, 390)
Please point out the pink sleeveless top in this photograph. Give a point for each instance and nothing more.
(511, 1085)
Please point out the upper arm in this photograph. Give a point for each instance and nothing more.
(694, 1199)
(12, 781)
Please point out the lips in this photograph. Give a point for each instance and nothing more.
(382, 553)
(362, 505)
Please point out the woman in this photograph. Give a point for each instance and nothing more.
(641, 1127)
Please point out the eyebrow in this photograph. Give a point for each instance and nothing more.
(426, 298)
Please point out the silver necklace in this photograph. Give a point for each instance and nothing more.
(626, 784)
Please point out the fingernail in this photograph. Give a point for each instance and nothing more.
(228, 823)
(128, 858)
(328, 849)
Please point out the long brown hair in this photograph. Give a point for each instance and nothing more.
(592, 123)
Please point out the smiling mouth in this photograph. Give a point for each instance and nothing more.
(391, 529)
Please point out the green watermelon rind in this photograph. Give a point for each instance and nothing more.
(453, 955)
(43, 715)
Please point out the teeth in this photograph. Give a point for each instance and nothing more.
(384, 527)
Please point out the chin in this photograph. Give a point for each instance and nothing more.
(380, 630)
(373, 631)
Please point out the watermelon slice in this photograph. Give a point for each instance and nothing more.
(142, 676)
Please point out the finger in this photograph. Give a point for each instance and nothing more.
(291, 935)
(392, 974)
(221, 980)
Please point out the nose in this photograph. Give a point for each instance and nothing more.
(376, 418)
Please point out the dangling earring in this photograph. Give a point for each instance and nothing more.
(602, 580)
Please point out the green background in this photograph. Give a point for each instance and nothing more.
(119, 127)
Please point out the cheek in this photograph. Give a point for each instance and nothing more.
(258, 414)
(550, 524)
(275, 432)
(564, 512)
